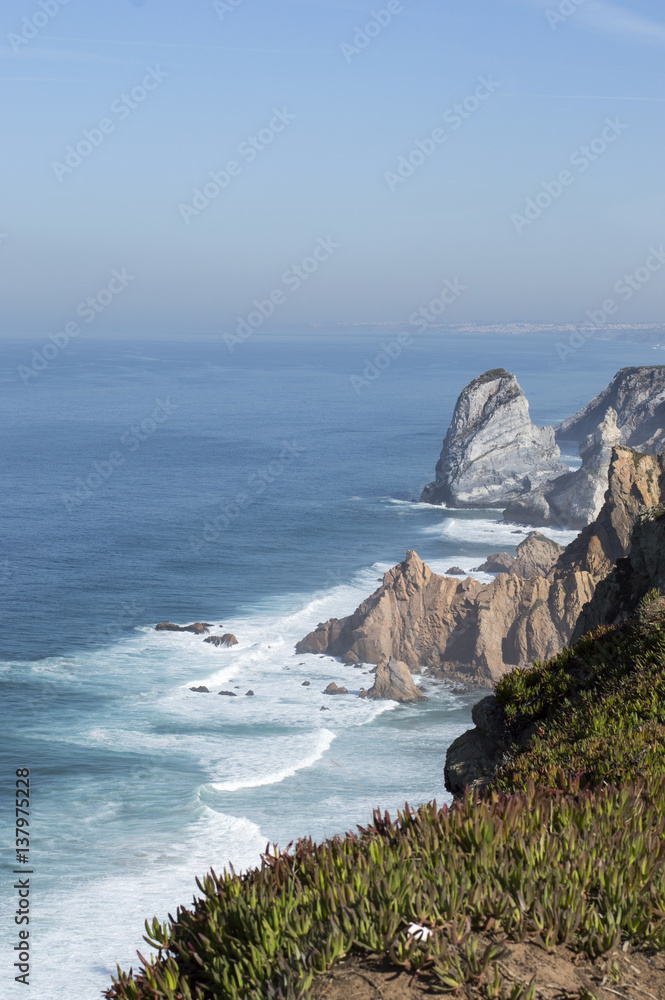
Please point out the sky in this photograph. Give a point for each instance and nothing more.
(179, 168)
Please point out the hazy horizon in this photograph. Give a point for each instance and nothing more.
(314, 162)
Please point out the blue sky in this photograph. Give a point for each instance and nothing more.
(205, 77)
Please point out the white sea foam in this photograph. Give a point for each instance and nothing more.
(256, 779)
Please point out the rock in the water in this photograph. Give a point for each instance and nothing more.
(455, 571)
(393, 682)
(198, 628)
(201, 690)
(492, 452)
(575, 499)
(333, 689)
(222, 640)
(305, 684)
(249, 694)
(638, 397)
(228, 694)
(474, 633)
(324, 709)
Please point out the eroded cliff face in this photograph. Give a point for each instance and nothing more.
(638, 397)
(576, 498)
(492, 452)
(474, 633)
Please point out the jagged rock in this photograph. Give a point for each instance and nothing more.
(198, 628)
(201, 690)
(455, 571)
(575, 499)
(638, 397)
(474, 633)
(249, 694)
(324, 709)
(222, 640)
(536, 556)
(492, 452)
(393, 682)
(498, 562)
(333, 689)
(228, 694)
(642, 571)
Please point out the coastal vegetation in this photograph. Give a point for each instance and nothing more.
(564, 852)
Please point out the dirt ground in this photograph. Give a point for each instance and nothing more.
(560, 975)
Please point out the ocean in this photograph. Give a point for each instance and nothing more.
(263, 490)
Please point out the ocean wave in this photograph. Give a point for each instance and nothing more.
(323, 743)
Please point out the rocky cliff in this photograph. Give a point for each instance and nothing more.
(492, 452)
(638, 397)
(638, 574)
(574, 499)
(535, 556)
(474, 633)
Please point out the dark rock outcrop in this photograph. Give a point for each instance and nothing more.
(474, 633)
(492, 453)
(228, 694)
(638, 397)
(455, 571)
(393, 682)
(249, 694)
(474, 757)
(201, 690)
(222, 640)
(198, 628)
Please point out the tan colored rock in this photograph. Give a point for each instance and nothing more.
(393, 682)
(474, 633)
(536, 555)
(333, 689)
(222, 640)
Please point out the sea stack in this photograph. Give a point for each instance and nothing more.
(493, 454)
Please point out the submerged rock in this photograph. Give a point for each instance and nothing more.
(222, 640)
(249, 694)
(393, 682)
(492, 453)
(228, 694)
(198, 628)
(201, 690)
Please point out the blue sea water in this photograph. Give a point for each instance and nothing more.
(256, 490)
